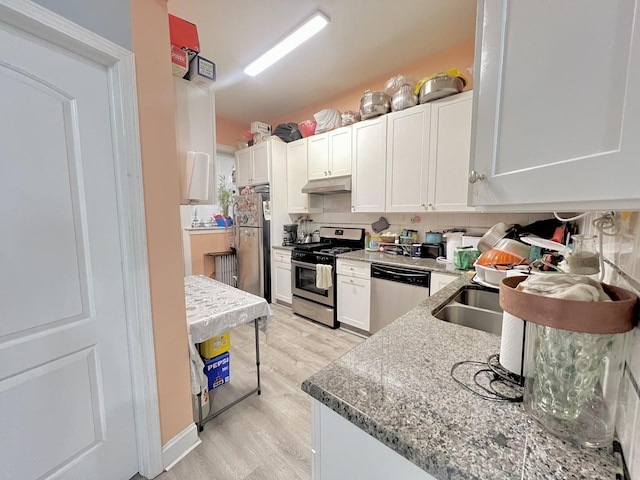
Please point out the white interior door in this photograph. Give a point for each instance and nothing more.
(65, 383)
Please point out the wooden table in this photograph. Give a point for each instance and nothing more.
(212, 309)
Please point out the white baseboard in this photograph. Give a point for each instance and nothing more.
(179, 446)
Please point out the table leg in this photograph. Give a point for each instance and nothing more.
(199, 399)
(257, 353)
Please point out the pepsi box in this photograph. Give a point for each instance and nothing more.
(217, 370)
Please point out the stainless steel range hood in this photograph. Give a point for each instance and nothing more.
(326, 186)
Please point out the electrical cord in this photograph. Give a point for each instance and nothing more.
(495, 376)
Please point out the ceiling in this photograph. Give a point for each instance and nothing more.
(366, 39)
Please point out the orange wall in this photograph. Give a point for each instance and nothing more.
(228, 131)
(156, 104)
(461, 56)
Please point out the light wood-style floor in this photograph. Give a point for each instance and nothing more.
(266, 436)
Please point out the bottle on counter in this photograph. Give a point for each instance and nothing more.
(367, 239)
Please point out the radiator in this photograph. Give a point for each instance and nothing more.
(226, 269)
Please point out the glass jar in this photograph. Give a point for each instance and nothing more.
(583, 258)
(572, 381)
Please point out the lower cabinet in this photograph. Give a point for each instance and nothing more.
(440, 280)
(353, 290)
(342, 451)
(281, 262)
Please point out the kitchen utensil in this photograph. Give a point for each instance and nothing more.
(440, 85)
(544, 243)
(433, 237)
(373, 104)
(583, 258)
(403, 98)
(387, 238)
(380, 225)
(350, 117)
(491, 237)
(406, 239)
(498, 257)
(514, 247)
(315, 236)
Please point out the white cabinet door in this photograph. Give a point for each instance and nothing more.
(439, 281)
(318, 161)
(282, 275)
(261, 163)
(369, 153)
(340, 152)
(557, 108)
(342, 451)
(297, 176)
(408, 159)
(353, 301)
(450, 149)
(243, 167)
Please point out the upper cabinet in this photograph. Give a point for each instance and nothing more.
(449, 153)
(408, 159)
(369, 153)
(253, 164)
(556, 111)
(330, 154)
(297, 201)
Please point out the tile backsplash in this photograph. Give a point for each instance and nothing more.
(623, 249)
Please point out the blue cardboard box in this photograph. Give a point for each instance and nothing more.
(217, 370)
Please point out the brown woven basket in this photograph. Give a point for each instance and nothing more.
(616, 316)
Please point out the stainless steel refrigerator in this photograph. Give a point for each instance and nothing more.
(251, 217)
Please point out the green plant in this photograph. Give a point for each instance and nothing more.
(224, 195)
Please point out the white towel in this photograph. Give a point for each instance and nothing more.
(324, 276)
(567, 287)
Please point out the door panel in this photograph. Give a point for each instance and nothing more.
(65, 382)
(249, 260)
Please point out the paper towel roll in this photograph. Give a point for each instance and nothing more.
(512, 343)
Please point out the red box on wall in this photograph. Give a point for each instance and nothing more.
(184, 35)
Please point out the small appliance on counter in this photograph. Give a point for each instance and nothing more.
(289, 234)
(432, 250)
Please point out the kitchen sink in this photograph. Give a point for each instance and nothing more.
(473, 308)
(480, 299)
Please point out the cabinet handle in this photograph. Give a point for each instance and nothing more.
(475, 176)
(329, 172)
(351, 280)
(325, 174)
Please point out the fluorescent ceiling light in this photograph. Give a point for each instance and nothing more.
(303, 33)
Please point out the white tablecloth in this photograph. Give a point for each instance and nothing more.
(212, 309)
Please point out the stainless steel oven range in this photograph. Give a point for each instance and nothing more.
(309, 300)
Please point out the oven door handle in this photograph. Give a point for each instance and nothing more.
(310, 266)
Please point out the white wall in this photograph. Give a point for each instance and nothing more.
(110, 19)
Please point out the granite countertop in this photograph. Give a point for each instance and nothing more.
(396, 386)
(402, 261)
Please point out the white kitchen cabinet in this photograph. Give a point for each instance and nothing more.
(439, 281)
(244, 170)
(407, 173)
(297, 201)
(330, 154)
(368, 165)
(450, 152)
(281, 261)
(253, 164)
(556, 110)
(342, 451)
(353, 290)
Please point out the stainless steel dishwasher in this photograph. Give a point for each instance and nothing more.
(395, 291)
